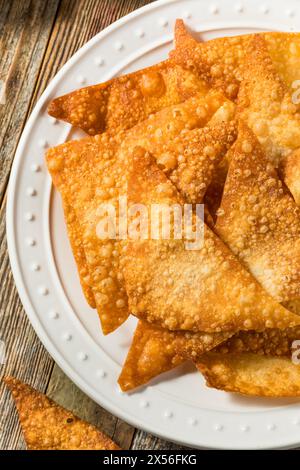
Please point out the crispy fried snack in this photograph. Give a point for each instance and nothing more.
(265, 103)
(83, 170)
(199, 290)
(124, 101)
(289, 169)
(259, 220)
(272, 342)
(219, 61)
(75, 238)
(89, 173)
(154, 350)
(48, 426)
(188, 140)
(251, 374)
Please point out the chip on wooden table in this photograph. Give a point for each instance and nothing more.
(251, 374)
(259, 220)
(124, 101)
(204, 289)
(219, 61)
(48, 426)
(155, 350)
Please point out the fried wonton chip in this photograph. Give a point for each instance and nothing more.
(266, 104)
(251, 374)
(48, 426)
(94, 163)
(89, 173)
(290, 171)
(190, 159)
(124, 101)
(272, 341)
(220, 61)
(155, 350)
(259, 220)
(75, 238)
(203, 289)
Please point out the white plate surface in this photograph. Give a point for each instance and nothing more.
(177, 406)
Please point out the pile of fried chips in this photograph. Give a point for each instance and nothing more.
(217, 123)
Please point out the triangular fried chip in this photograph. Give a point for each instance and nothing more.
(154, 350)
(259, 220)
(75, 238)
(266, 105)
(251, 374)
(273, 342)
(216, 61)
(198, 290)
(189, 160)
(88, 174)
(289, 169)
(124, 101)
(48, 426)
(220, 61)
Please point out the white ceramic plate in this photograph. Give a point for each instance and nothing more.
(177, 406)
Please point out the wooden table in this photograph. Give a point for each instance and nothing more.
(36, 38)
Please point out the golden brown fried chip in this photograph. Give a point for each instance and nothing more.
(151, 353)
(75, 238)
(220, 61)
(188, 141)
(272, 341)
(266, 105)
(216, 61)
(48, 426)
(154, 350)
(189, 159)
(199, 290)
(259, 220)
(124, 101)
(251, 374)
(290, 172)
(89, 173)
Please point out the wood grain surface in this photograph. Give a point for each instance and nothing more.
(36, 38)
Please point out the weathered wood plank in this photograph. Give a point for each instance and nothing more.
(25, 29)
(143, 440)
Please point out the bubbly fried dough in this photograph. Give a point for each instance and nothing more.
(219, 61)
(155, 350)
(48, 426)
(151, 353)
(259, 220)
(199, 290)
(75, 238)
(290, 171)
(273, 342)
(94, 169)
(251, 374)
(124, 101)
(266, 105)
(89, 173)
